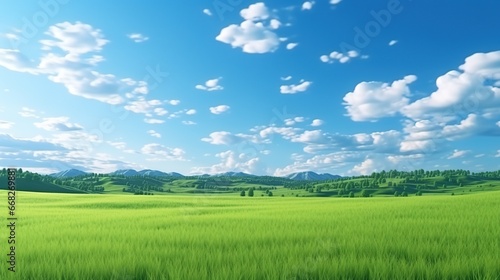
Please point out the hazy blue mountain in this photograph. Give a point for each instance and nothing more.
(125, 172)
(68, 173)
(235, 174)
(311, 176)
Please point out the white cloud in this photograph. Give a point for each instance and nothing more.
(75, 39)
(160, 111)
(207, 12)
(6, 124)
(191, 112)
(326, 163)
(373, 100)
(154, 133)
(222, 138)
(174, 102)
(159, 152)
(335, 2)
(274, 24)
(188, 122)
(255, 12)
(291, 46)
(143, 106)
(340, 57)
(211, 85)
(137, 37)
(231, 161)
(287, 78)
(252, 35)
(219, 109)
(393, 42)
(58, 124)
(28, 113)
(293, 89)
(309, 136)
(285, 132)
(15, 61)
(498, 153)
(292, 121)
(307, 5)
(317, 122)
(153, 121)
(458, 154)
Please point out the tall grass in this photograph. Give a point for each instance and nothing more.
(63, 236)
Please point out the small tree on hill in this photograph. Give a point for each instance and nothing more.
(364, 193)
(250, 192)
(242, 193)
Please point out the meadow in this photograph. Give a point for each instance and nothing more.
(67, 236)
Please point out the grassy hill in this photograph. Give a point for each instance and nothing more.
(23, 184)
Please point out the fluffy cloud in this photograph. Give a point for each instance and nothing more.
(373, 100)
(292, 121)
(58, 124)
(307, 5)
(340, 57)
(14, 60)
(222, 138)
(293, 89)
(74, 67)
(211, 85)
(191, 112)
(335, 2)
(317, 122)
(154, 133)
(231, 161)
(252, 35)
(143, 106)
(158, 152)
(217, 110)
(75, 39)
(207, 12)
(255, 12)
(393, 42)
(137, 37)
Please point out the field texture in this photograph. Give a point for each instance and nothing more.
(65, 236)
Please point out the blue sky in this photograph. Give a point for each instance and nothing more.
(268, 88)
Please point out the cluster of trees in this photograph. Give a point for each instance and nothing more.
(136, 191)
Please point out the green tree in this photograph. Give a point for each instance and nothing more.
(242, 193)
(270, 193)
(364, 193)
(396, 193)
(250, 192)
(351, 194)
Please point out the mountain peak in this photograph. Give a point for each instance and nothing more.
(311, 176)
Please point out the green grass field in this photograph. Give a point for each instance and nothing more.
(67, 236)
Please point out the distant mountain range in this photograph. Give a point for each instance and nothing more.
(311, 176)
(302, 176)
(68, 173)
